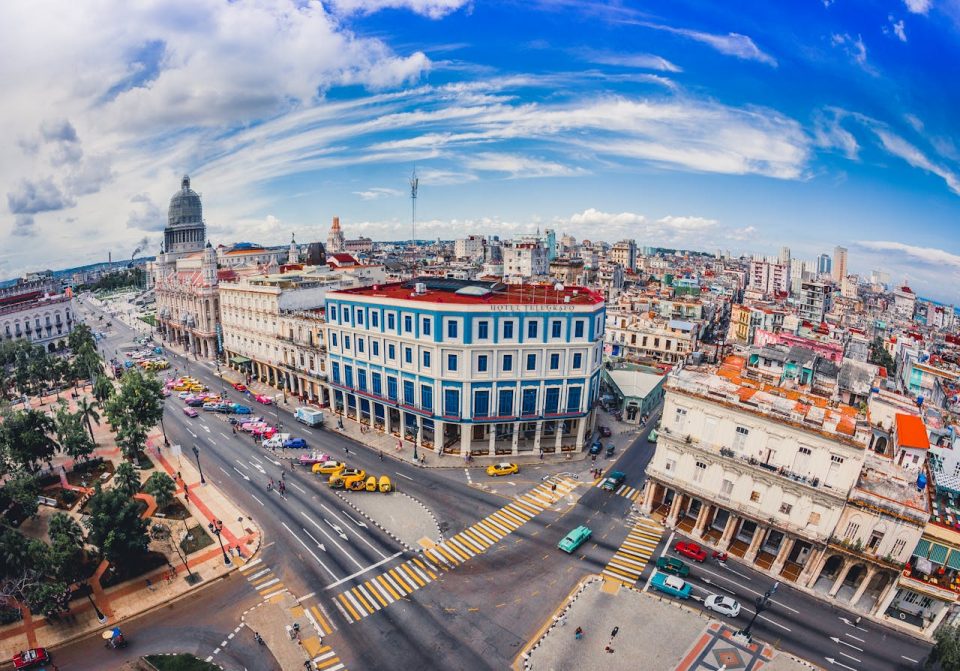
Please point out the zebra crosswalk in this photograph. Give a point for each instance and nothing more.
(327, 660)
(628, 562)
(625, 491)
(396, 583)
(262, 578)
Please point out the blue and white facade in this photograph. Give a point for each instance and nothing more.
(466, 373)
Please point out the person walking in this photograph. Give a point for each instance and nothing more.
(578, 634)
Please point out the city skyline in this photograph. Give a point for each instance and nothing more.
(718, 132)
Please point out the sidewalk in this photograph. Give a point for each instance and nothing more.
(274, 620)
(158, 587)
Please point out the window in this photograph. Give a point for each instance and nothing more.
(578, 328)
(333, 339)
(551, 403)
(426, 397)
(483, 330)
(577, 360)
(699, 471)
(407, 323)
(835, 459)
(874, 543)
(391, 321)
(785, 508)
(451, 362)
(451, 402)
(507, 362)
(360, 345)
(333, 313)
(408, 395)
(726, 488)
(531, 329)
(375, 347)
(426, 326)
(392, 388)
(740, 438)
(507, 330)
(359, 317)
(375, 320)
(361, 380)
(346, 342)
(391, 352)
(426, 359)
(335, 372)
(755, 496)
(531, 362)
(505, 405)
(680, 417)
(481, 403)
(555, 327)
(528, 402)
(852, 529)
(452, 329)
(408, 354)
(482, 363)
(375, 381)
(898, 548)
(346, 315)
(554, 361)
(670, 465)
(348, 375)
(573, 399)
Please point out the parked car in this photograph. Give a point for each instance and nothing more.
(277, 440)
(384, 484)
(596, 447)
(190, 412)
(652, 436)
(613, 481)
(295, 443)
(610, 449)
(211, 407)
(605, 431)
(574, 539)
(674, 566)
(165, 392)
(723, 605)
(195, 402)
(328, 467)
(503, 468)
(671, 584)
(260, 398)
(238, 409)
(313, 458)
(239, 386)
(31, 657)
(691, 551)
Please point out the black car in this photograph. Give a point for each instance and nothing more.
(605, 431)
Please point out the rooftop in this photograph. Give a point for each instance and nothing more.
(911, 432)
(883, 485)
(476, 292)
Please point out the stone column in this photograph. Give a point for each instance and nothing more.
(755, 542)
(491, 445)
(581, 432)
(387, 426)
(466, 437)
(871, 571)
(786, 545)
(728, 532)
(812, 569)
(419, 427)
(537, 437)
(648, 497)
(938, 619)
(515, 447)
(674, 508)
(702, 518)
(838, 583)
(437, 436)
(558, 433)
(886, 598)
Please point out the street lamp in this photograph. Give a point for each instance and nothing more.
(416, 432)
(215, 528)
(196, 453)
(101, 618)
(276, 408)
(166, 443)
(762, 603)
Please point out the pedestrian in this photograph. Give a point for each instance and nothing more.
(578, 634)
(553, 487)
(613, 634)
(239, 552)
(346, 449)
(150, 585)
(608, 649)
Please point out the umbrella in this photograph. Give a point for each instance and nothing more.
(111, 633)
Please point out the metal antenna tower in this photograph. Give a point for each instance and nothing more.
(414, 184)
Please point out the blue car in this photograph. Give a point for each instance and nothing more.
(295, 442)
(596, 447)
(241, 409)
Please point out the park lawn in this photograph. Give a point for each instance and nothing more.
(181, 662)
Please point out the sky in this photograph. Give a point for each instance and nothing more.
(740, 126)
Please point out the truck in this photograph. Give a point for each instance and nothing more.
(309, 416)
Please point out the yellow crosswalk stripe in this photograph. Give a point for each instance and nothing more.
(485, 532)
(376, 593)
(433, 576)
(395, 574)
(413, 575)
(346, 603)
(448, 554)
(460, 553)
(388, 587)
(321, 620)
(363, 602)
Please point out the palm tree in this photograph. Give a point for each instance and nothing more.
(88, 411)
(102, 389)
(126, 479)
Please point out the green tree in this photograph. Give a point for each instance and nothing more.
(115, 526)
(72, 434)
(102, 389)
(22, 490)
(161, 487)
(80, 334)
(87, 362)
(88, 413)
(23, 564)
(66, 540)
(946, 652)
(879, 356)
(48, 598)
(134, 409)
(126, 479)
(26, 439)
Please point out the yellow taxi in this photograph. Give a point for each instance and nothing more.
(503, 468)
(384, 484)
(328, 467)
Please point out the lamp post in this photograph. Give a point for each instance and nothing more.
(196, 453)
(101, 618)
(166, 443)
(276, 409)
(416, 432)
(762, 603)
(215, 528)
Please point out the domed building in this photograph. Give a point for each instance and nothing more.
(185, 232)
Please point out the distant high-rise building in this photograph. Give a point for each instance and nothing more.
(785, 256)
(335, 241)
(815, 301)
(824, 264)
(625, 253)
(469, 248)
(551, 244)
(839, 263)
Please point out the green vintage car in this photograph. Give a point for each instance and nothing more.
(674, 566)
(574, 539)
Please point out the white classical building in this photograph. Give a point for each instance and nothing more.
(473, 367)
(35, 309)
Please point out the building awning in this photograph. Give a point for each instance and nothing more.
(953, 561)
(240, 359)
(922, 548)
(938, 554)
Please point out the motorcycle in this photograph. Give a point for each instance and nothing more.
(114, 639)
(720, 556)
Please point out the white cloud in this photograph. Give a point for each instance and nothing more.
(518, 166)
(641, 61)
(899, 147)
(731, 44)
(898, 29)
(829, 134)
(687, 223)
(914, 122)
(596, 224)
(852, 46)
(435, 9)
(918, 6)
(377, 193)
(929, 271)
(926, 255)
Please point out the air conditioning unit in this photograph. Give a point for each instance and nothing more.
(419, 288)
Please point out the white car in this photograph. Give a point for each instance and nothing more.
(276, 441)
(723, 605)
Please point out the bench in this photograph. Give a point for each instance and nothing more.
(47, 501)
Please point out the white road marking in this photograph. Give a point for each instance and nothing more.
(256, 460)
(191, 433)
(842, 642)
(745, 588)
(324, 532)
(855, 638)
(849, 656)
(257, 500)
(910, 659)
(307, 548)
(242, 475)
(334, 516)
(242, 465)
(405, 476)
(258, 467)
(223, 434)
(357, 522)
(306, 596)
(205, 428)
(298, 487)
(225, 473)
(372, 566)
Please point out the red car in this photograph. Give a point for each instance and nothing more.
(239, 386)
(690, 551)
(605, 431)
(190, 412)
(27, 658)
(260, 398)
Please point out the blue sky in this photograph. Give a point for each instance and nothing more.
(739, 126)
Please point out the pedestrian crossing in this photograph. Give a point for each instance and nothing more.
(262, 578)
(628, 562)
(625, 491)
(398, 582)
(327, 660)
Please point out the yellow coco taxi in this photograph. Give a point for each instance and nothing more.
(503, 468)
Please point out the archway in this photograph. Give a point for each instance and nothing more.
(851, 582)
(878, 584)
(828, 574)
(52, 347)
